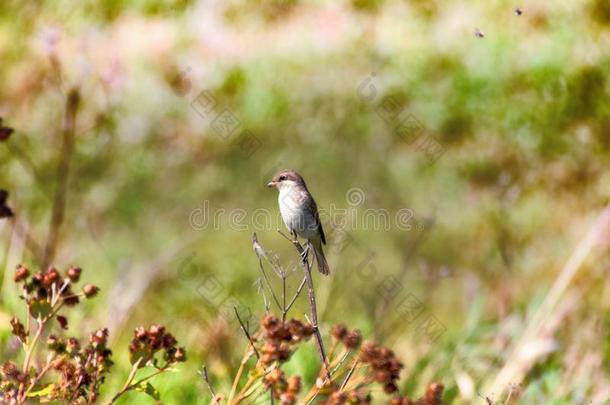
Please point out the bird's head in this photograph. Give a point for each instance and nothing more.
(286, 179)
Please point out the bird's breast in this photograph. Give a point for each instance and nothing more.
(296, 214)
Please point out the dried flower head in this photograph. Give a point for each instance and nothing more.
(352, 339)
(63, 321)
(90, 290)
(434, 394)
(73, 273)
(21, 273)
(294, 384)
(18, 329)
(384, 366)
(339, 331)
(146, 343)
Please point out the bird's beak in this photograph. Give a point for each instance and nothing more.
(271, 184)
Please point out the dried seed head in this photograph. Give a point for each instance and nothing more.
(352, 339)
(38, 277)
(361, 397)
(21, 273)
(180, 355)
(384, 366)
(288, 398)
(63, 321)
(72, 346)
(298, 330)
(156, 330)
(390, 388)
(50, 277)
(337, 398)
(55, 344)
(272, 379)
(339, 331)
(270, 321)
(18, 329)
(90, 290)
(99, 339)
(73, 273)
(169, 341)
(140, 333)
(294, 384)
(434, 394)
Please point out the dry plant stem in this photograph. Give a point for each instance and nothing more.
(277, 301)
(32, 346)
(245, 330)
(312, 305)
(242, 365)
(132, 375)
(349, 375)
(245, 391)
(339, 363)
(62, 176)
(40, 375)
(284, 310)
(206, 379)
(335, 365)
(292, 301)
(41, 325)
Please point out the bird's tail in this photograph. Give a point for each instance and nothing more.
(322, 263)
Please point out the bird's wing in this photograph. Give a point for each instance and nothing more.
(314, 209)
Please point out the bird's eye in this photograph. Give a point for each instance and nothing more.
(282, 178)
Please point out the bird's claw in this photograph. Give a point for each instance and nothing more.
(304, 254)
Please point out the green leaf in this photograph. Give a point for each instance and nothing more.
(42, 392)
(147, 388)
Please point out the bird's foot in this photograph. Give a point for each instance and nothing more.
(305, 254)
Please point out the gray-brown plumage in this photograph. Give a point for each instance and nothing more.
(300, 212)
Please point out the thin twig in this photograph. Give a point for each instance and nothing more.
(40, 375)
(261, 289)
(277, 301)
(206, 379)
(349, 375)
(341, 361)
(245, 330)
(296, 295)
(284, 310)
(132, 375)
(240, 371)
(312, 305)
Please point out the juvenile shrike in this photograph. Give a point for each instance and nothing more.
(300, 212)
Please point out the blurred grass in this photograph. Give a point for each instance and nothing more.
(523, 115)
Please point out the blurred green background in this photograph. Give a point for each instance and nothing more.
(504, 167)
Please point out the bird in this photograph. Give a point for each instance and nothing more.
(300, 213)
